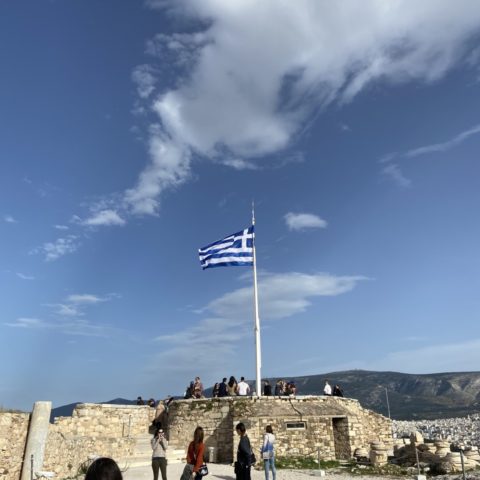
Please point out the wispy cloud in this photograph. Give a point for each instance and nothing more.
(228, 318)
(304, 221)
(25, 277)
(9, 219)
(240, 164)
(61, 227)
(27, 322)
(169, 167)
(76, 326)
(74, 305)
(444, 146)
(88, 298)
(393, 172)
(104, 218)
(60, 247)
(65, 310)
(143, 77)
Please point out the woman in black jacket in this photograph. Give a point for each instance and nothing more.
(244, 454)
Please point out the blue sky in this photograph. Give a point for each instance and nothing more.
(133, 133)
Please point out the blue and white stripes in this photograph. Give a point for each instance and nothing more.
(234, 250)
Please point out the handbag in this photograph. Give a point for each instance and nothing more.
(203, 470)
(266, 453)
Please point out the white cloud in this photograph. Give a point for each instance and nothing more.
(9, 219)
(104, 218)
(25, 277)
(255, 73)
(86, 298)
(25, 322)
(443, 146)
(78, 327)
(74, 304)
(393, 172)
(61, 227)
(303, 221)
(169, 167)
(239, 164)
(229, 318)
(144, 79)
(64, 310)
(58, 248)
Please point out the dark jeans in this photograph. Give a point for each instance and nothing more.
(159, 463)
(242, 473)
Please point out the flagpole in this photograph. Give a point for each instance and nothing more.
(257, 318)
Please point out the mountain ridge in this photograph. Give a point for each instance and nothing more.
(410, 396)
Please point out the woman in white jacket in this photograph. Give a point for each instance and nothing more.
(268, 452)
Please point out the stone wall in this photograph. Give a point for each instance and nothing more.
(214, 415)
(13, 436)
(94, 430)
(333, 427)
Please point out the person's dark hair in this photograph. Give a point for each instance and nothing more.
(240, 428)
(232, 381)
(198, 436)
(224, 379)
(103, 468)
(242, 379)
(269, 429)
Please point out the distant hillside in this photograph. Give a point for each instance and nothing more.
(428, 396)
(411, 396)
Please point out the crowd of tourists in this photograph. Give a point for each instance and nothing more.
(232, 388)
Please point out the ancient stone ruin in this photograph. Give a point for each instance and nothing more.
(310, 426)
(434, 456)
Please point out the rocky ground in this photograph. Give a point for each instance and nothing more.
(225, 472)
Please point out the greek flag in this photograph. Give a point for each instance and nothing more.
(234, 250)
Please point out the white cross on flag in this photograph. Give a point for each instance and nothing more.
(234, 250)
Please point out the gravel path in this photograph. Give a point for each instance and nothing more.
(225, 472)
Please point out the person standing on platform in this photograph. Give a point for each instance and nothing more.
(243, 388)
(337, 391)
(327, 389)
(197, 388)
(267, 389)
(222, 389)
(232, 387)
